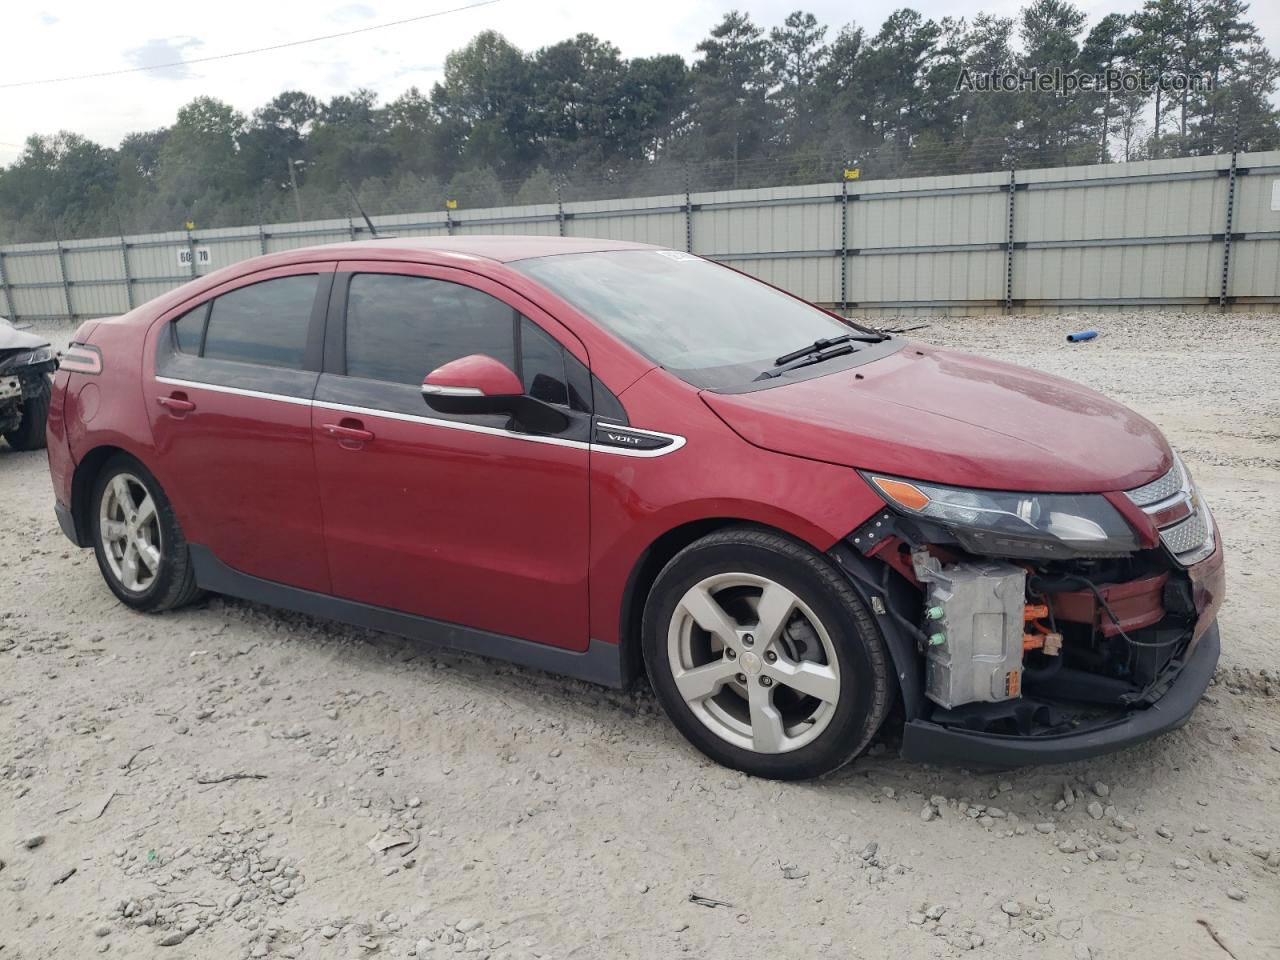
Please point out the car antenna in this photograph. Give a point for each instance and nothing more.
(373, 231)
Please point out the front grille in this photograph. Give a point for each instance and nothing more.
(1160, 489)
(1185, 536)
(1190, 538)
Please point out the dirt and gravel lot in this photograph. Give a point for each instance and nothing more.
(232, 781)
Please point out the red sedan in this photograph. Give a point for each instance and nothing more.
(604, 458)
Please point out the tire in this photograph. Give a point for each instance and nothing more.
(161, 580)
(820, 637)
(29, 433)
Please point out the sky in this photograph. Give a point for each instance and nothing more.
(86, 36)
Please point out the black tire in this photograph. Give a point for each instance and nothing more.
(29, 433)
(866, 680)
(174, 584)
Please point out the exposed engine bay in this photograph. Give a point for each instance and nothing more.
(1019, 645)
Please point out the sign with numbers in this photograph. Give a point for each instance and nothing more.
(203, 258)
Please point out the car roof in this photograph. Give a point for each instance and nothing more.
(500, 248)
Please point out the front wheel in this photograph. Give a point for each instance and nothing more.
(140, 548)
(764, 657)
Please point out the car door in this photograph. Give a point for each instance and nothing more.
(465, 519)
(230, 409)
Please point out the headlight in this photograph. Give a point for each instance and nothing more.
(1001, 524)
(20, 360)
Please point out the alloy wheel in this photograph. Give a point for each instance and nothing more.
(753, 662)
(130, 529)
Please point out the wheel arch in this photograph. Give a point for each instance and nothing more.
(646, 569)
(82, 480)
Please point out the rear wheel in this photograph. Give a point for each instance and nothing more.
(140, 548)
(764, 657)
(29, 433)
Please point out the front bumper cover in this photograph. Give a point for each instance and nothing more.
(927, 742)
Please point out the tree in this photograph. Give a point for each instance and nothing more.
(486, 101)
(797, 56)
(756, 106)
(1104, 51)
(1051, 124)
(732, 113)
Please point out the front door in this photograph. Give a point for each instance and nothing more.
(230, 409)
(459, 518)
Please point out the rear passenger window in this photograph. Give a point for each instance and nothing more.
(401, 328)
(188, 330)
(265, 323)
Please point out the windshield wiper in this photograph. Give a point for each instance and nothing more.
(805, 358)
(819, 345)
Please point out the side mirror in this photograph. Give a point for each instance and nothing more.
(481, 384)
(474, 384)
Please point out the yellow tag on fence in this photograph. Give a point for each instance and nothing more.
(852, 174)
(451, 204)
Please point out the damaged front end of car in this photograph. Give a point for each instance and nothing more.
(26, 362)
(1041, 628)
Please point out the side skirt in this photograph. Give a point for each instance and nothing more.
(601, 663)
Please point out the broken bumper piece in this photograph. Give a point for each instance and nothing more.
(927, 742)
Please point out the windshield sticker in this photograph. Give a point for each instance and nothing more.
(676, 255)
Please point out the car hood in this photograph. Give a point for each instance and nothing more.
(11, 338)
(948, 417)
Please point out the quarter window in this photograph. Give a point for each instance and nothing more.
(542, 363)
(265, 323)
(401, 328)
(188, 330)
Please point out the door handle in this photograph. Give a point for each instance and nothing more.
(348, 430)
(177, 403)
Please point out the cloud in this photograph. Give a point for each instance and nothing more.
(155, 53)
(48, 19)
(354, 11)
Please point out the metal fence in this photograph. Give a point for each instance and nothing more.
(1191, 233)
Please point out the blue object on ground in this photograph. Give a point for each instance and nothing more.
(1081, 336)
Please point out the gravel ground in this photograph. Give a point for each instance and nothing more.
(233, 781)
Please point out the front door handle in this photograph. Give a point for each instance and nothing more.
(176, 403)
(348, 430)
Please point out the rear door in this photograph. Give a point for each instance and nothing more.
(457, 518)
(230, 409)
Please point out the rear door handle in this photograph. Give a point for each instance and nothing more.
(348, 430)
(176, 403)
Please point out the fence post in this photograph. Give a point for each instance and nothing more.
(688, 213)
(262, 239)
(844, 239)
(559, 209)
(191, 249)
(11, 309)
(1231, 201)
(1008, 245)
(62, 275)
(128, 277)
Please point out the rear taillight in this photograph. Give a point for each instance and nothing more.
(82, 358)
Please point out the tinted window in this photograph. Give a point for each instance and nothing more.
(188, 329)
(264, 323)
(542, 361)
(401, 328)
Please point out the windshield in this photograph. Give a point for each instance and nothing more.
(709, 325)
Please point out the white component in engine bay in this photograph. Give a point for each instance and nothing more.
(974, 621)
